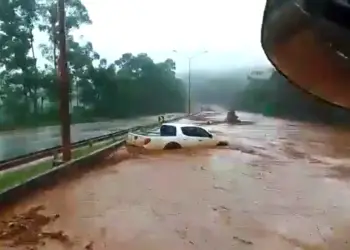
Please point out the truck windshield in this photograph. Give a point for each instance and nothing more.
(167, 130)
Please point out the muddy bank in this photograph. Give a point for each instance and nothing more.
(26, 230)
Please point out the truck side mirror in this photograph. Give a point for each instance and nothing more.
(308, 42)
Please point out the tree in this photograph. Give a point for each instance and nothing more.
(130, 85)
(76, 16)
(17, 19)
(132, 81)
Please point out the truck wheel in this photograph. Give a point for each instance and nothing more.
(172, 145)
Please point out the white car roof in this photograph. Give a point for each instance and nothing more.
(180, 125)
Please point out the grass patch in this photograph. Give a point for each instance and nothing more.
(12, 178)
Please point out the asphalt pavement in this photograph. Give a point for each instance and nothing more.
(20, 142)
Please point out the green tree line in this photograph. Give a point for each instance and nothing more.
(29, 95)
(276, 96)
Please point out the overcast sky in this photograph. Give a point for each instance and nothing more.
(228, 29)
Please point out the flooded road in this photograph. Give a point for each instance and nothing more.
(279, 185)
(19, 142)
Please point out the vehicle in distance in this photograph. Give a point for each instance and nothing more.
(174, 136)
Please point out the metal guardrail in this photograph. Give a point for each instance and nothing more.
(27, 158)
(52, 176)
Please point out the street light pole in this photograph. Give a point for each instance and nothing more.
(189, 75)
(189, 85)
(64, 83)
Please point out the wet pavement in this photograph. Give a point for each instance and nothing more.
(279, 185)
(20, 142)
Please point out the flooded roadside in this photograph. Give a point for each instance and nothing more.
(20, 142)
(279, 185)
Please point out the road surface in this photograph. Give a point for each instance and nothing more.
(16, 143)
(280, 185)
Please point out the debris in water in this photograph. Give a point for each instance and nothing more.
(247, 242)
(221, 208)
(90, 246)
(224, 208)
(182, 233)
(26, 229)
(60, 236)
(220, 188)
(320, 234)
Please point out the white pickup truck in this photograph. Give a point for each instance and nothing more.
(174, 136)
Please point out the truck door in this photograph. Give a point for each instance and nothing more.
(197, 136)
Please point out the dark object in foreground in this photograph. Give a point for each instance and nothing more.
(308, 41)
(222, 144)
(232, 118)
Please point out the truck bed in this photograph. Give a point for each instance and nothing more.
(153, 132)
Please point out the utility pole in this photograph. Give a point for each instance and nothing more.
(64, 83)
(189, 75)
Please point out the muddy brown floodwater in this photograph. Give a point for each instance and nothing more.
(279, 185)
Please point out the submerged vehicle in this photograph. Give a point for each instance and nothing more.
(232, 117)
(174, 136)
